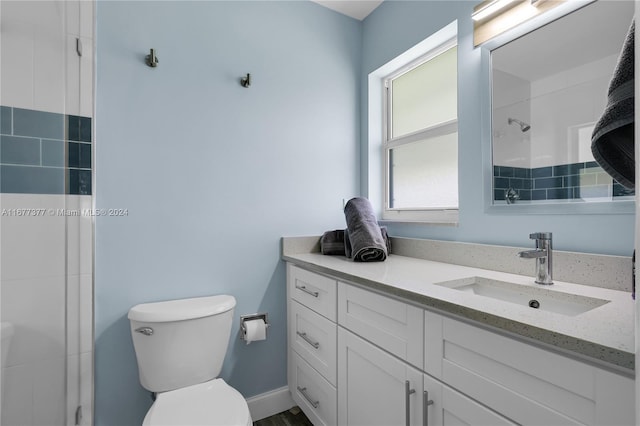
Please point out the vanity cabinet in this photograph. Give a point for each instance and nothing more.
(312, 337)
(527, 384)
(389, 362)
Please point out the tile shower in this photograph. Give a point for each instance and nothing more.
(46, 226)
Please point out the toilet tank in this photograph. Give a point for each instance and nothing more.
(182, 342)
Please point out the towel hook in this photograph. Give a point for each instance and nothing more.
(246, 81)
(151, 59)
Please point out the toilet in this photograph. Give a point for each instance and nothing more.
(180, 346)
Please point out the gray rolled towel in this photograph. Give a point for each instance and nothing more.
(365, 236)
(612, 141)
(332, 243)
(337, 242)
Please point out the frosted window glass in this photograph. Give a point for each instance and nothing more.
(425, 173)
(426, 95)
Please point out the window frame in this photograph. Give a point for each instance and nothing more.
(440, 215)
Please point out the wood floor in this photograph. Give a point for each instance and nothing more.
(292, 417)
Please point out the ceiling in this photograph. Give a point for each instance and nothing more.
(358, 9)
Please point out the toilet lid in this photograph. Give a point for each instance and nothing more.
(212, 403)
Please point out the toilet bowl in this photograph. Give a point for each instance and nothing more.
(213, 403)
(180, 346)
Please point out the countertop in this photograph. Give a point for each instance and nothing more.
(604, 335)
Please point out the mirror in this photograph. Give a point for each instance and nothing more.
(549, 88)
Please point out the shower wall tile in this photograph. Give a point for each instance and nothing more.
(19, 150)
(56, 148)
(41, 124)
(5, 121)
(31, 246)
(52, 153)
(31, 180)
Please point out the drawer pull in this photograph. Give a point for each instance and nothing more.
(407, 393)
(316, 345)
(303, 391)
(426, 402)
(306, 290)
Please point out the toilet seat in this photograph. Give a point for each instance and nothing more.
(212, 403)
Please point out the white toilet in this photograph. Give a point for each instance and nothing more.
(180, 346)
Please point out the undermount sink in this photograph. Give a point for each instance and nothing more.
(532, 297)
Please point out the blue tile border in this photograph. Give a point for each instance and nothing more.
(44, 153)
(561, 182)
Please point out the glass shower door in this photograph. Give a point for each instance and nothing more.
(46, 229)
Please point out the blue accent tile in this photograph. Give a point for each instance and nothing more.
(79, 182)
(52, 153)
(498, 194)
(5, 120)
(500, 182)
(572, 180)
(559, 193)
(79, 155)
(551, 182)
(520, 183)
(539, 172)
(525, 194)
(73, 128)
(522, 173)
(539, 194)
(506, 171)
(38, 124)
(31, 180)
(85, 156)
(568, 169)
(85, 129)
(73, 154)
(591, 164)
(17, 150)
(496, 170)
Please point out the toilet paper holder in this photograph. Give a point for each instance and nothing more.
(243, 318)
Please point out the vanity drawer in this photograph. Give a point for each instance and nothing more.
(313, 337)
(313, 394)
(314, 291)
(528, 384)
(393, 325)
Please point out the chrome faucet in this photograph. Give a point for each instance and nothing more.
(543, 255)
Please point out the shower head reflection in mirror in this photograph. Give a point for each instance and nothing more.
(549, 86)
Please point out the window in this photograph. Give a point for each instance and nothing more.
(420, 140)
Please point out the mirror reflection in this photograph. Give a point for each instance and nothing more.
(549, 89)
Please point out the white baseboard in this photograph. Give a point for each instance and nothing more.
(270, 403)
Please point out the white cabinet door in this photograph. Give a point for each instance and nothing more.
(395, 326)
(374, 387)
(443, 406)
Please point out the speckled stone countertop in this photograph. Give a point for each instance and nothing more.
(604, 335)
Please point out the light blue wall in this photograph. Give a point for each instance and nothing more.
(213, 174)
(396, 26)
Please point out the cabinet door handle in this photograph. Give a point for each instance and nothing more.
(316, 345)
(303, 391)
(426, 402)
(407, 401)
(306, 290)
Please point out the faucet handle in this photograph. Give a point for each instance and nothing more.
(540, 236)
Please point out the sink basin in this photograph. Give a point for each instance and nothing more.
(533, 297)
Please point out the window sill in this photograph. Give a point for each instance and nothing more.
(434, 217)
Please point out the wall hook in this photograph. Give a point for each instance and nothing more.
(151, 59)
(246, 81)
